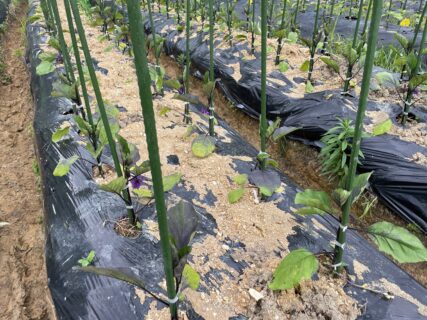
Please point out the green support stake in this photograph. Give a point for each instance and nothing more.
(313, 39)
(187, 118)
(156, 51)
(349, 73)
(367, 73)
(280, 39)
(100, 101)
(138, 41)
(368, 12)
(78, 63)
(263, 116)
(64, 49)
(211, 69)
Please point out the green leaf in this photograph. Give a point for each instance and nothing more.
(309, 87)
(382, 127)
(241, 179)
(63, 166)
(84, 262)
(123, 275)
(143, 193)
(316, 202)
(191, 277)
(283, 66)
(340, 196)
(272, 127)
(47, 56)
(298, 265)
(283, 132)
(235, 195)
(332, 64)
(268, 181)
(44, 68)
(402, 40)
(386, 79)
(170, 181)
(397, 242)
(60, 134)
(94, 153)
(411, 60)
(60, 89)
(115, 186)
(292, 37)
(54, 43)
(173, 83)
(418, 80)
(359, 185)
(164, 111)
(305, 66)
(187, 98)
(203, 145)
(84, 126)
(141, 169)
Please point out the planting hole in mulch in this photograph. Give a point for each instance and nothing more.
(323, 298)
(125, 229)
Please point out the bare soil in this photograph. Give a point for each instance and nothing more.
(23, 283)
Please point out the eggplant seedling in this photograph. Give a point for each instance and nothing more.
(183, 221)
(312, 44)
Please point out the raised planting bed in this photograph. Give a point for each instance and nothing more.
(397, 158)
(236, 247)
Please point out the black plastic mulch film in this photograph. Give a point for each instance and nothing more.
(75, 210)
(3, 10)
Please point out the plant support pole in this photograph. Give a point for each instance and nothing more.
(67, 59)
(187, 118)
(144, 81)
(211, 70)
(79, 66)
(313, 42)
(263, 116)
(280, 38)
(367, 73)
(100, 102)
(349, 74)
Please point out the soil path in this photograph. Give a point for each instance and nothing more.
(23, 284)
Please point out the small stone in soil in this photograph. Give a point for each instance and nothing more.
(173, 159)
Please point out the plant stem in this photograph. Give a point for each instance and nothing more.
(414, 72)
(329, 25)
(64, 49)
(79, 67)
(100, 102)
(263, 116)
(280, 39)
(229, 22)
(349, 73)
(187, 118)
(270, 18)
(138, 41)
(368, 12)
(367, 73)
(211, 69)
(294, 24)
(253, 28)
(313, 42)
(388, 14)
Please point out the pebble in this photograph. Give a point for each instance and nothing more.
(255, 294)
